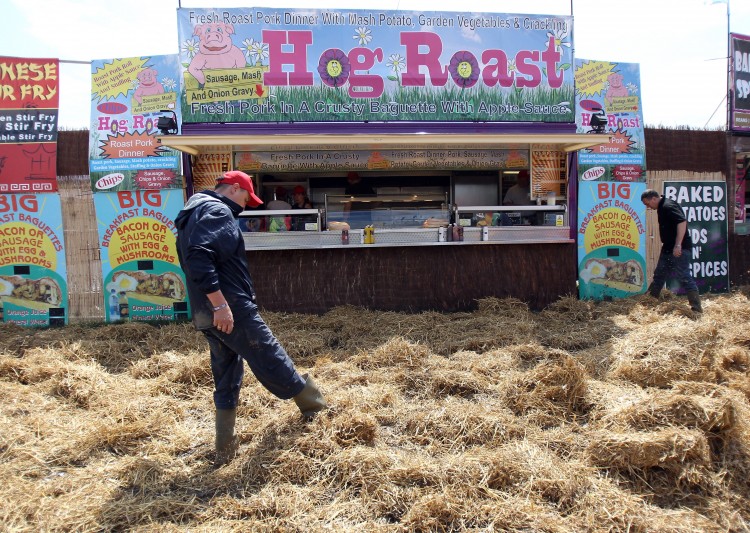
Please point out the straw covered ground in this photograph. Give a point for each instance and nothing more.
(631, 415)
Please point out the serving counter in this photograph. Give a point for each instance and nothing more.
(476, 223)
(413, 268)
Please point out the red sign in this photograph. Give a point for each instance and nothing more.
(29, 101)
(627, 172)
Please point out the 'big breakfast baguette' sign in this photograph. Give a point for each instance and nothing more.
(140, 268)
(33, 273)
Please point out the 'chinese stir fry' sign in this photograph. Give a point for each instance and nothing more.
(29, 100)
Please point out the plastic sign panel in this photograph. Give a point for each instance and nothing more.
(705, 206)
(320, 65)
(739, 82)
(33, 273)
(343, 160)
(611, 240)
(609, 94)
(29, 100)
(141, 271)
(128, 96)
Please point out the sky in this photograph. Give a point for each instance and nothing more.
(680, 45)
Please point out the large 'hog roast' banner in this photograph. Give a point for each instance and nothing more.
(319, 65)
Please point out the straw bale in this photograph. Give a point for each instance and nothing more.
(179, 337)
(665, 409)
(83, 385)
(34, 367)
(363, 467)
(670, 449)
(503, 307)
(354, 429)
(572, 308)
(733, 443)
(269, 505)
(457, 425)
(194, 369)
(531, 354)
(624, 510)
(492, 365)
(735, 359)
(572, 324)
(609, 397)
(528, 469)
(436, 381)
(156, 365)
(447, 510)
(396, 352)
(667, 351)
(482, 332)
(556, 388)
(416, 468)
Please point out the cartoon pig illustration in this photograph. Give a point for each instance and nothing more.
(147, 84)
(616, 87)
(216, 50)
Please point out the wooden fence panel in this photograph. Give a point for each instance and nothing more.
(85, 300)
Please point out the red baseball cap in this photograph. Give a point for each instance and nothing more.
(244, 181)
(299, 189)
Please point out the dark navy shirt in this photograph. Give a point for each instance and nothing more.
(670, 215)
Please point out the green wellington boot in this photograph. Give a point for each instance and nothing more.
(310, 401)
(695, 301)
(226, 441)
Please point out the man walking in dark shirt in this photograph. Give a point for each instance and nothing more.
(674, 259)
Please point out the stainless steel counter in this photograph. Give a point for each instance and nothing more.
(405, 237)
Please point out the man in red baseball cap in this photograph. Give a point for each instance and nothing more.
(244, 182)
(212, 254)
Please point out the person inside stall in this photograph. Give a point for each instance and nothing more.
(520, 195)
(300, 201)
(357, 212)
(279, 223)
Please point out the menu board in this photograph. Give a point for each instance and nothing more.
(33, 274)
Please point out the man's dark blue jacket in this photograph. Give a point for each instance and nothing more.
(212, 255)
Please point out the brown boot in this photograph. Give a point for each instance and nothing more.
(226, 441)
(654, 291)
(310, 401)
(695, 301)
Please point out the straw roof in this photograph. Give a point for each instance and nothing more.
(614, 416)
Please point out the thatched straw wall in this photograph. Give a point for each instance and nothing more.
(73, 152)
(689, 150)
(81, 248)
